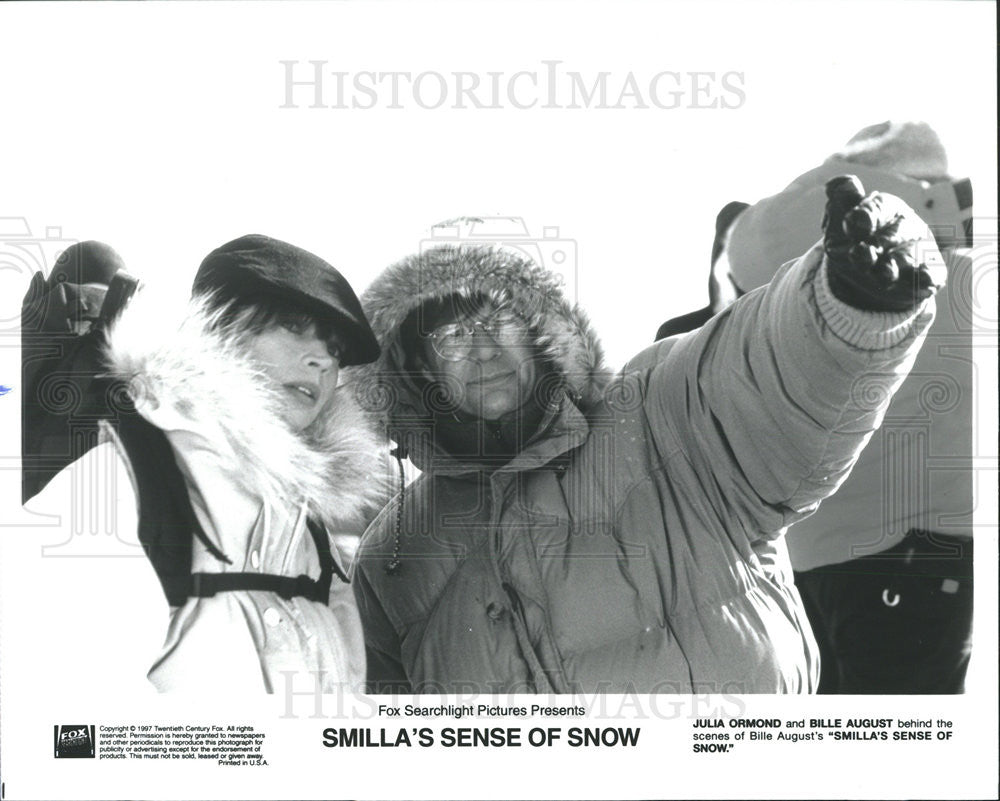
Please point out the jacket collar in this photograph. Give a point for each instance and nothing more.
(183, 374)
(562, 428)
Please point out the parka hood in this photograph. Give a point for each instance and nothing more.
(182, 369)
(563, 334)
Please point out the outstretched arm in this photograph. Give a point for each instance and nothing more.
(772, 401)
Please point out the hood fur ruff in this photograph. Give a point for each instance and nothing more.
(177, 360)
(564, 334)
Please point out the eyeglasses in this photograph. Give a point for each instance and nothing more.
(453, 341)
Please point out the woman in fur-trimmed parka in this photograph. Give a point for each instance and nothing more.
(627, 535)
(246, 461)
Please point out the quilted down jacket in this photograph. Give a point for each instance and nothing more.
(636, 543)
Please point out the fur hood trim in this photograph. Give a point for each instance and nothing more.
(179, 368)
(564, 333)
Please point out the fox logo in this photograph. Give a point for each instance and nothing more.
(74, 741)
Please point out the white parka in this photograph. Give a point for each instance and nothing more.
(252, 484)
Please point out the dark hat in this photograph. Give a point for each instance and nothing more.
(89, 262)
(259, 265)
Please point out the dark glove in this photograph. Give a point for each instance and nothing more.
(61, 309)
(880, 254)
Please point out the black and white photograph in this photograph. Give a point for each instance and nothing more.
(590, 400)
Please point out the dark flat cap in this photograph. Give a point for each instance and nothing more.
(259, 265)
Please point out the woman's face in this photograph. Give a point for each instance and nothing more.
(302, 366)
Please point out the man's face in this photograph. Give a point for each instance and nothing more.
(303, 368)
(484, 360)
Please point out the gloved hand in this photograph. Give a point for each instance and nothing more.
(62, 309)
(880, 254)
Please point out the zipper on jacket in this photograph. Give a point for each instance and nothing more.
(538, 675)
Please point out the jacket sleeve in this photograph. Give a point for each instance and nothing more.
(385, 668)
(771, 402)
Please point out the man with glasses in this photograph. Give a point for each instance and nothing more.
(484, 364)
(574, 531)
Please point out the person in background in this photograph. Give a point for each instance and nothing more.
(885, 566)
(577, 532)
(721, 291)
